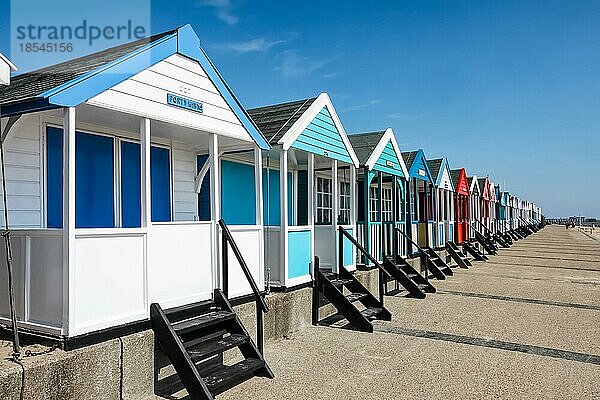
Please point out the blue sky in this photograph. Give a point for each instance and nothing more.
(509, 89)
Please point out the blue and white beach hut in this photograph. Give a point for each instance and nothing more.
(104, 154)
(313, 160)
(443, 200)
(420, 210)
(382, 180)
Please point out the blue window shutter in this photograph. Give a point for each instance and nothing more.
(238, 193)
(204, 195)
(131, 186)
(54, 167)
(160, 183)
(94, 181)
(271, 215)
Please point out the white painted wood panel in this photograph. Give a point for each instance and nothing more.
(37, 271)
(272, 255)
(45, 286)
(18, 264)
(185, 199)
(179, 263)
(145, 94)
(325, 245)
(109, 281)
(23, 173)
(249, 241)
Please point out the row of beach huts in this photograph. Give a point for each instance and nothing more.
(141, 193)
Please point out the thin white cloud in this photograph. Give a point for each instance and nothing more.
(294, 65)
(223, 10)
(406, 117)
(253, 45)
(363, 105)
(330, 75)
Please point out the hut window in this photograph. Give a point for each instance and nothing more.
(386, 204)
(95, 176)
(94, 180)
(324, 203)
(344, 217)
(374, 206)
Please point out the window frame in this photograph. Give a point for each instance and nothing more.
(344, 198)
(322, 195)
(117, 168)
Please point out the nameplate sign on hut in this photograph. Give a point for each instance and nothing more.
(422, 172)
(182, 102)
(389, 164)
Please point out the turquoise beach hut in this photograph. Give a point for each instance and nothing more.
(420, 210)
(313, 160)
(382, 182)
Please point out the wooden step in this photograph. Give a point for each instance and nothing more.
(202, 321)
(371, 312)
(340, 282)
(412, 275)
(425, 288)
(187, 311)
(216, 346)
(352, 297)
(226, 377)
(204, 338)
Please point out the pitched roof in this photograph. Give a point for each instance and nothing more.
(364, 144)
(470, 179)
(481, 182)
(409, 157)
(275, 120)
(30, 85)
(435, 166)
(455, 175)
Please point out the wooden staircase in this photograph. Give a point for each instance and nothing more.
(438, 267)
(468, 248)
(194, 337)
(457, 255)
(351, 298)
(409, 278)
(501, 240)
(487, 244)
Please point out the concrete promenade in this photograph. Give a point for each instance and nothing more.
(525, 325)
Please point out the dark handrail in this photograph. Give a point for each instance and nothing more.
(421, 251)
(485, 227)
(382, 284)
(344, 232)
(227, 238)
(261, 304)
(474, 229)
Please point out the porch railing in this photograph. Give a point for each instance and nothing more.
(382, 271)
(422, 254)
(261, 304)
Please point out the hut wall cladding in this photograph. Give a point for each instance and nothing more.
(388, 154)
(159, 80)
(185, 201)
(24, 174)
(322, 137)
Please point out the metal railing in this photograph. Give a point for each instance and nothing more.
(261, 304)
(382, 271)
(422, 254)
